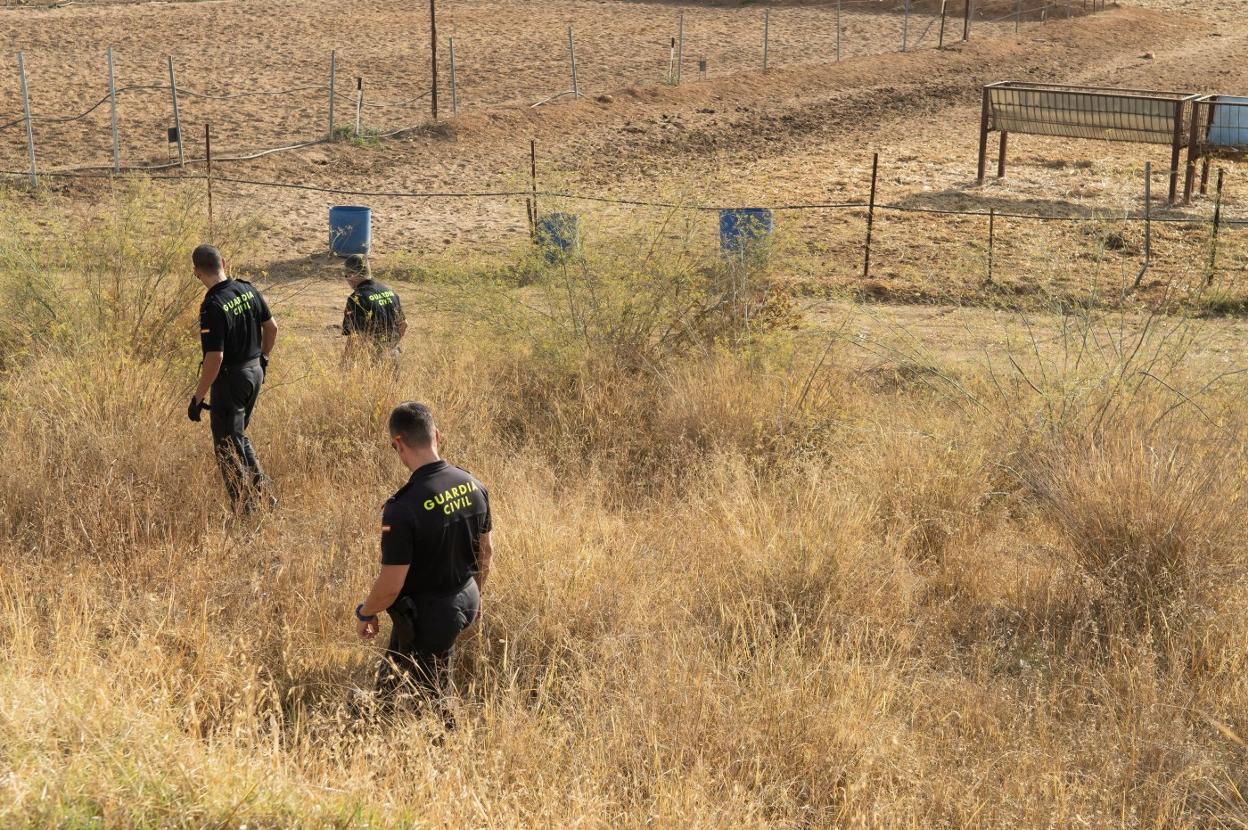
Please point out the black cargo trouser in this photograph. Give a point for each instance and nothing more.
(422, 645)
(234, 395)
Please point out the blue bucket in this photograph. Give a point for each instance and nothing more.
(350, 230)
(558, 235)
(742, 230)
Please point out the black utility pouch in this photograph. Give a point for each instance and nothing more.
(403, 618)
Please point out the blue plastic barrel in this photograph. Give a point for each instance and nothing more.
(742, 230)
(558, 235)
(350, 230)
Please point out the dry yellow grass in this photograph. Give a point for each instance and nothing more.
(765, 585)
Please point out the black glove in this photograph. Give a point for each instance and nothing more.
(264, 365)
(194, 409)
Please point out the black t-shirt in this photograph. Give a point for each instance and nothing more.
(434, 524)
(373, 309)
(229, 321)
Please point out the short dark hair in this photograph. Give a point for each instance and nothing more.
(412, 423)
(206, 258)
(357, 264)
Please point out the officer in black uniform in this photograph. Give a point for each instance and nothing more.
(237, 333)
(435, 559)
(373, 311)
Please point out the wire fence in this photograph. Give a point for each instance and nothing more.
(907, 245)
(348, 108)
(829, 234)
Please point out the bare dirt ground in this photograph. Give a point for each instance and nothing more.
(802, 132)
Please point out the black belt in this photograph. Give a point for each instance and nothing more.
(254, 363)
(433, 596)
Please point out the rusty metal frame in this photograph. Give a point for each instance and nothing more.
(1201, 149)
(1073, 96)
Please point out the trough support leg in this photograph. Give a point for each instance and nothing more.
(1204, 172)
(1005, 137)
(1176, 150)
(1193, 154)
(983, 138)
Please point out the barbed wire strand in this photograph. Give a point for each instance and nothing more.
(559, 194)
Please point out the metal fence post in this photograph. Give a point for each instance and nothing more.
(680, 45)
(766, 35)
(905, 27)
(838, 31)
(30, 131)
(1217, 224)
(533, 186)
(576, 90)
(333, 71)
(966, 20)
(454, 86)
(433, 59)
(992, 225)
(359, 106)
(866, 262)
(208, 156)
(1018, 14)
(177, 116)
(112, 97)
(944, 10)
(1148, 224)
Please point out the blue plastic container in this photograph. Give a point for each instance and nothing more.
(1230, 124)
(558, 235)
(744, 230)
(350, 230)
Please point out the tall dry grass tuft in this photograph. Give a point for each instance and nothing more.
(1155, 519)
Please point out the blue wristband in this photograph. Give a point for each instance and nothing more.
(361, 617)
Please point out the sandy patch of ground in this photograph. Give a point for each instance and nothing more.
(803, 132)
